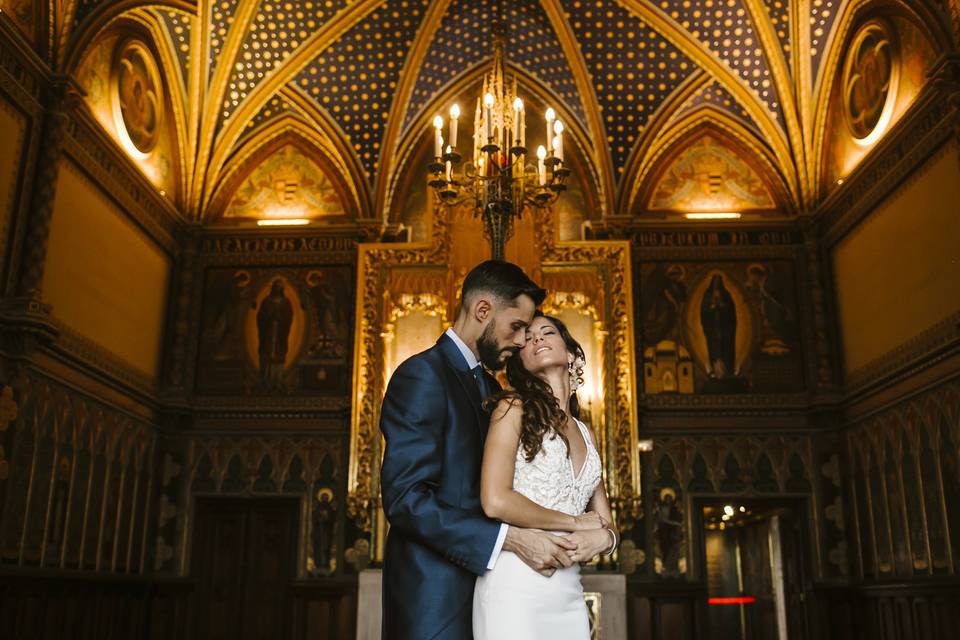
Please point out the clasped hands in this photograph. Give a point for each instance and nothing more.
(545, 553)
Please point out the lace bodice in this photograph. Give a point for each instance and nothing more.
(550, 479)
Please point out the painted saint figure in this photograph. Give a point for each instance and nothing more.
(273, 331)
(718, 315)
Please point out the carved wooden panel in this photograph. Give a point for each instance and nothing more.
(906, 487)
(77, 484)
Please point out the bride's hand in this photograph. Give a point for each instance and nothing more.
(589, 520)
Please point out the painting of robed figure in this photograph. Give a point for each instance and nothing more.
(719, 328)
(276, 332)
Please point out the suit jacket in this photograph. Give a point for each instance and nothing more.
(439, 540)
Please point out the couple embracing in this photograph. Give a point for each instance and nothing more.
(494, 496)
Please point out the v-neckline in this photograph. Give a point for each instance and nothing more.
(586, 453)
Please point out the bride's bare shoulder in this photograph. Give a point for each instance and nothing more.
(508, 409)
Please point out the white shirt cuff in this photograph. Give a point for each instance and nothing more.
(497, 547)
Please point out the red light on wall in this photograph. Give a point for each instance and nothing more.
(738, 600)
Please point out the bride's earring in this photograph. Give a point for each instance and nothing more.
(574, 377)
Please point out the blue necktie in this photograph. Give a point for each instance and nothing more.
(477, 372)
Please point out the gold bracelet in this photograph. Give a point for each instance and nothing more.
(613, 545)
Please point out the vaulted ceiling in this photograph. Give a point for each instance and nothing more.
(359, 80)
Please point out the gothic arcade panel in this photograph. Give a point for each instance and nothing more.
(269, 331)
(724, 327)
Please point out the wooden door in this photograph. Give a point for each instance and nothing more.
(244, 559)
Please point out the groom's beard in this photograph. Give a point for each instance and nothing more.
(491, 355)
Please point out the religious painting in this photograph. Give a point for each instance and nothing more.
(124, 89)
(709, 176)
(885, 65)
(719, 328)
(276, 332)
(22, 13)
(137, 93)
(287, 184)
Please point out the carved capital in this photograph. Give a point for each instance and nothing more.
(25, 326)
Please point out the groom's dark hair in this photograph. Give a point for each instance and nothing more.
(505, 280)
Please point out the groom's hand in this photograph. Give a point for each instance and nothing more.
(542, 552)
(589, 544)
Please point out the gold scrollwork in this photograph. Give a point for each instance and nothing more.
(611, 260)
(373, 272)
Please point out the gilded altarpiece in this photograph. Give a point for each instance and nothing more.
(590, 287)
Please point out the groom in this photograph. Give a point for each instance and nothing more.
(434, 426)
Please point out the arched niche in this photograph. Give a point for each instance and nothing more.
(283, 176)
(132, 89)
(880, 66)
(707, 163)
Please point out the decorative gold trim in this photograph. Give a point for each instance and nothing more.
(408, 78)
(104, 14)
(210, 116)
(688, 127)
(921, 133)
(612, 261)
(373, 265)
(601, 158)
(312, 141)
(770, 45)
(650, 135)
(698, 52)
(827, 75)
(232, 128)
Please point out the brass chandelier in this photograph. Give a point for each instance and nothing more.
(496, 177)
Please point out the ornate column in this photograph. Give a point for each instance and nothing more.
(177, 376)
(821, 367)
(24, 319)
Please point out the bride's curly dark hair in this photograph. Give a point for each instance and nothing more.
(541, 411)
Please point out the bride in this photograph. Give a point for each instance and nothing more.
(541, 470)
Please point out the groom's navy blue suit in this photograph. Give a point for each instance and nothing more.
(439, 540)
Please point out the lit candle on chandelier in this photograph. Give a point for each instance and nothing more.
(437, 136)
(517, 110)
(487, 115)
(551, 116)
(558, 141)
(454, 118)
(449, 165)
(541, 168)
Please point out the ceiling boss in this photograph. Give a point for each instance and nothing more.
(497, 176)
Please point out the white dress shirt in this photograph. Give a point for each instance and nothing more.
(472, 362)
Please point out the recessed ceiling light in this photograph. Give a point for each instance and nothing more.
(713, 215)
(282, 222)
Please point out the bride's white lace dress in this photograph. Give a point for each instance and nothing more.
(514, 601)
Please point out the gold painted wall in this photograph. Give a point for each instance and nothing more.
(12, 129)
(898, 273)
(104, 277)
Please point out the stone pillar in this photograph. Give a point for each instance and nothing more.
(62, 97)
(178, 377)
(821, 366)
(24, 319)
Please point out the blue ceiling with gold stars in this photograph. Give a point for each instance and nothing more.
(462, 41)
(378, 70)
